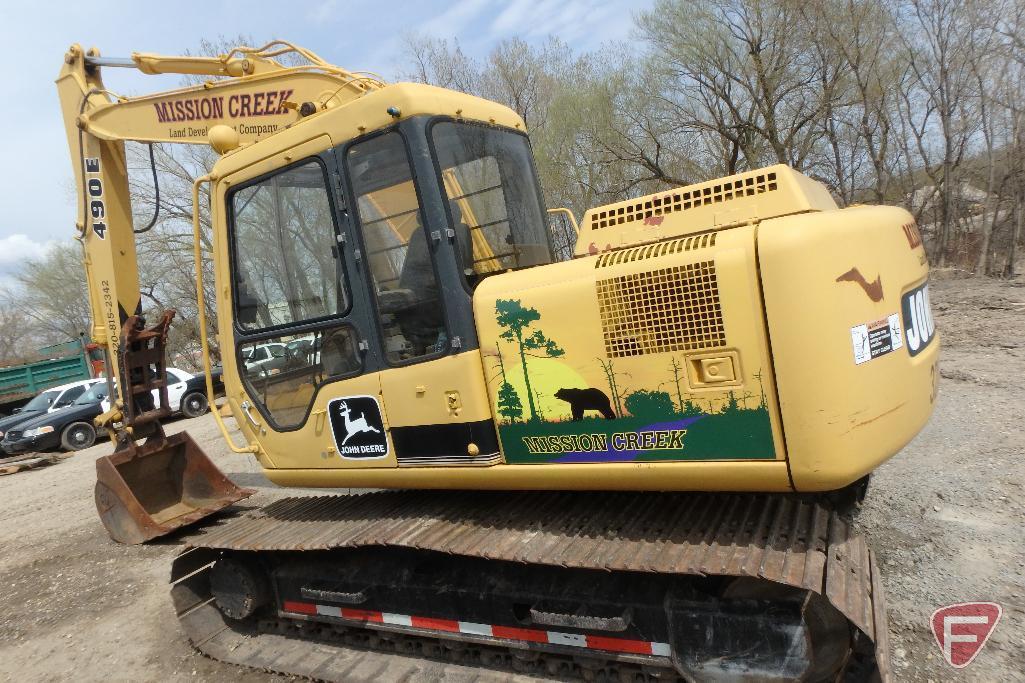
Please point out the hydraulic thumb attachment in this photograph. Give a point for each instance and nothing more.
(149, 489)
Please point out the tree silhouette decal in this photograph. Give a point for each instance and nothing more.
(516, 318)
(509, 404)
(650, 404)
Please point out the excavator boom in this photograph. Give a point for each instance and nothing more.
(148, 490)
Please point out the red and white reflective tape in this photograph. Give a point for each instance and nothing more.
(639, 647)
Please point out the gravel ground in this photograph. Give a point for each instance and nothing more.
(946, 518)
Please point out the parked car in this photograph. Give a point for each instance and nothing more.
(194, 402)
(186, 393)
(47, 401)
(70, 428)
(265, 358)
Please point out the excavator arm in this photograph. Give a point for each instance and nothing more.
(249, 95)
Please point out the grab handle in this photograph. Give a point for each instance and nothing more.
(197, 249)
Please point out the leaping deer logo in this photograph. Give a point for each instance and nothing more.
(354, 426)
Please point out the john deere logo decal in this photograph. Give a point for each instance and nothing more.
(358, 427)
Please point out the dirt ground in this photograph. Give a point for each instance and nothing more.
(946, 518)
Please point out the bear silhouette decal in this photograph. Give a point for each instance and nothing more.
(586, 399)
(358, 427)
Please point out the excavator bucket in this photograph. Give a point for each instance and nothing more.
(149, 490)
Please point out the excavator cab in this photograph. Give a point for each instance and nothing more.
(351, 266)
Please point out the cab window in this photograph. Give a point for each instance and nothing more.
(286, 265)
(493, 198)
(283, 377)
(397, 248)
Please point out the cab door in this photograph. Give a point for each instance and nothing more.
(291, 288)
(432, 379)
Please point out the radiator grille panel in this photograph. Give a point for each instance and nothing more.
(659, 311)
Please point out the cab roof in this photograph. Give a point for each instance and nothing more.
(370, 112)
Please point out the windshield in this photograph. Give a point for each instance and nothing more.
(42, 401)
(97, 393)
(493, 196)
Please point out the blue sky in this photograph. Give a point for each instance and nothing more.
(359, 35)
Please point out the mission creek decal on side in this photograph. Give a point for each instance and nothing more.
(270, 103)
(220, 108)
(605, 422)
(357, 427)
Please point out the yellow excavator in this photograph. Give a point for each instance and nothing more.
(631, 464)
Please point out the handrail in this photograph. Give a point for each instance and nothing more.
(197, 248)
(569, 214)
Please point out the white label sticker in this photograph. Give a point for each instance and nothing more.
(896, 339)
(876, 338)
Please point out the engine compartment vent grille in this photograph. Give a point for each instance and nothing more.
(651, 207)
(659, 311)
(612, 258)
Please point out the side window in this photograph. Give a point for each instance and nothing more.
(493, 198)
(287, 273)
(286, 268)
(70, 395)
(398, 249)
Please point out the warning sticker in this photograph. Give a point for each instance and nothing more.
(875, 339)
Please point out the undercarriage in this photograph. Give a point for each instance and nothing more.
(591, 586)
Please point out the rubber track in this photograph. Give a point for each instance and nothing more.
(777, 538)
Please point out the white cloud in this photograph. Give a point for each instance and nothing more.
(455, 18)
(322, 11)
(583, 23)
(514, 17)
(17, 248)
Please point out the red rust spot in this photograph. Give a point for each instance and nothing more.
(654, 220)
(911, 232)
(592, 248)
(874, 290)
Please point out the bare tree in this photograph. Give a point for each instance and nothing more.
(51, 292)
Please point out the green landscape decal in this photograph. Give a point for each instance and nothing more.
(639, 426)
